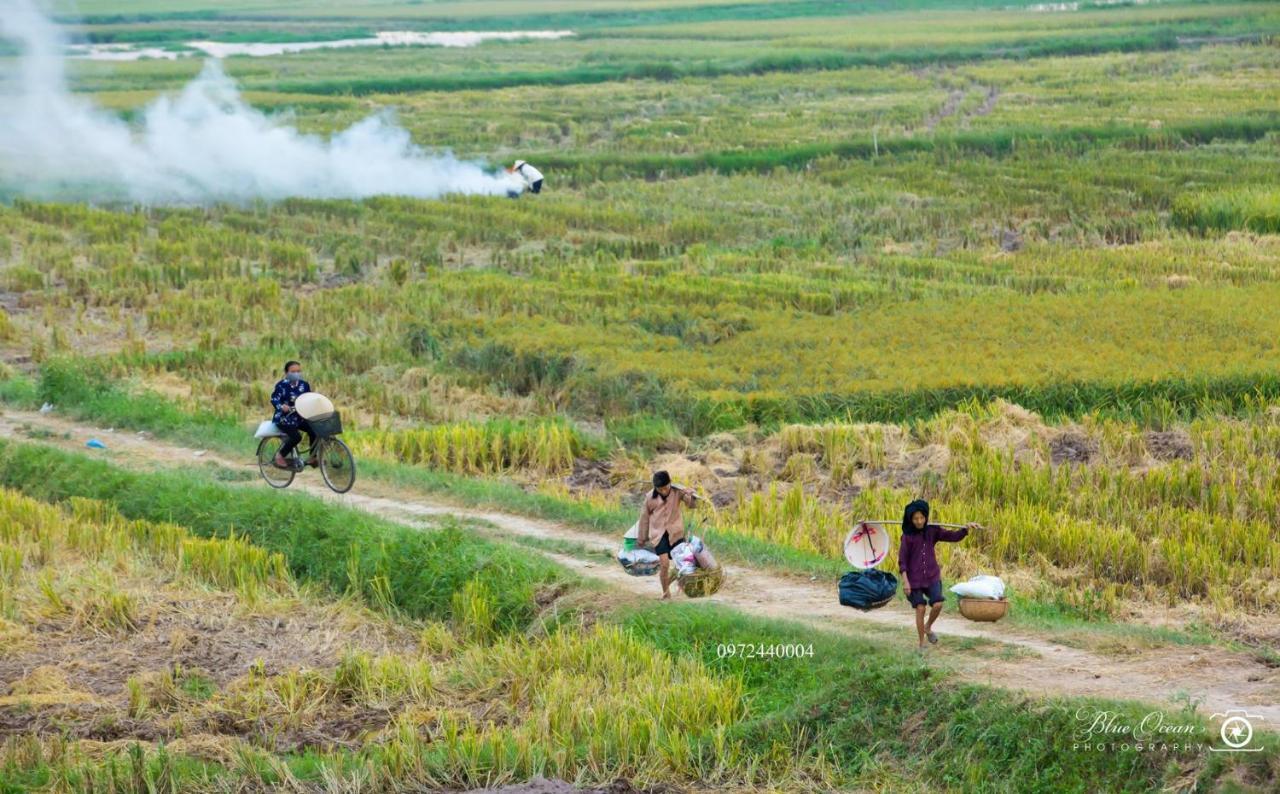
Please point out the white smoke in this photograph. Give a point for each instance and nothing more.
(200, 146)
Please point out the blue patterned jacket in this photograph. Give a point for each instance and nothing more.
(284, 394)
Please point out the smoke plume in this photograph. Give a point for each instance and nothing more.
(202, 145)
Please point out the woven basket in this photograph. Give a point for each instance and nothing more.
(984, 610)
(702, 582)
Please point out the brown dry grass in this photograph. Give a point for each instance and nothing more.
(238, 674)
(73, 667)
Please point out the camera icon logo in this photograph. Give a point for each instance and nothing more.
(1236, 731)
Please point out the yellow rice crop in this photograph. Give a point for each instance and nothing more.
(547, 448)
(1184, 529)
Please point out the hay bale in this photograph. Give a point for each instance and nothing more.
(755, 461)
(207, 747)
(1072, 446)
(1169, 445)
(12, 635)
(1017, 430)
(1018, 415)
(800, 467)
(931, 460)
(98, 751)
(722, 464)
(724, 443)
(42, 680)
(44, 686)
(683, 470)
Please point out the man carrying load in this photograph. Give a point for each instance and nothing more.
(661, 514)
(531, 177)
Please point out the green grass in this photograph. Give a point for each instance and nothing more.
(1256, 211)
(133, 769)
(86, 395)
(344, 549)
(646, 432)
(988, 143)
(870, 701)
(782, 62)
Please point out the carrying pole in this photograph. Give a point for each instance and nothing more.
(689, 491)
(898, 522)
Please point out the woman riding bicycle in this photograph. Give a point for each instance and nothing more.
(287, 419)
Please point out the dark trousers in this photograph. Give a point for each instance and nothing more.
(536, 187)
(293, 437)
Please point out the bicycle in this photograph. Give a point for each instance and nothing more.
(333, 457)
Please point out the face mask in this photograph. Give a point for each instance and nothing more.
(293, 377)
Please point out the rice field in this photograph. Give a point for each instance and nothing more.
(1157, 197)
(377, 703)
(818, 259)
(850, 243)
(1102, 510)
(547, 449)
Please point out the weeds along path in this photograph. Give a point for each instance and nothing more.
(1034, 663)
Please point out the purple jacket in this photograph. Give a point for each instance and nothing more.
(916, 560)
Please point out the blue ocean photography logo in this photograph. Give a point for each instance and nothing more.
(1236, 732)
(1101, 730)
(1105, 731)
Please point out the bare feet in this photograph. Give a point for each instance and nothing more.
(666, 596)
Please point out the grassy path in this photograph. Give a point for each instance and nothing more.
(991, 654)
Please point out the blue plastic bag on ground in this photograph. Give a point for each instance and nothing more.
(867, 589)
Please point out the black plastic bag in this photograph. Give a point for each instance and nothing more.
(867, 590)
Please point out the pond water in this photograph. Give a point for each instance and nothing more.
(390, 38)
(1076, 6)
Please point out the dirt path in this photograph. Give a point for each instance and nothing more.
(1217, 679)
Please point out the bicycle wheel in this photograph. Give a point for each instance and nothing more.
(275, 476)
(337, 465)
